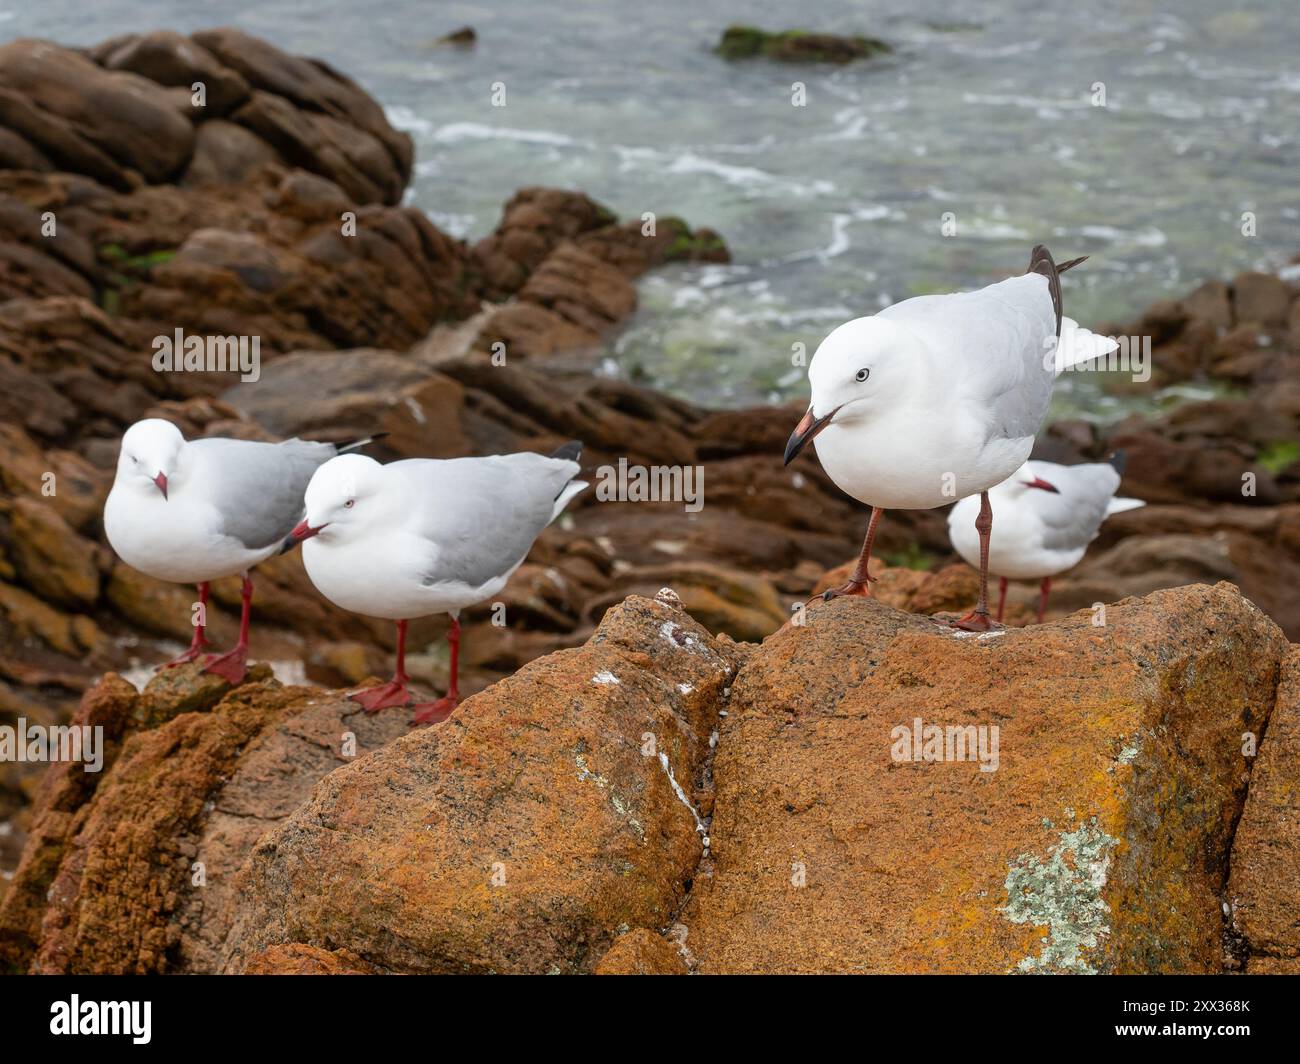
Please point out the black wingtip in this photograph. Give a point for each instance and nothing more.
(571, 451)
(1118, 460)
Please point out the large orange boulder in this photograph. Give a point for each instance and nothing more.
(132, 869)
(893, 796)
(552, 812)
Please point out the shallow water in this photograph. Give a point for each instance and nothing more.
(832, 209)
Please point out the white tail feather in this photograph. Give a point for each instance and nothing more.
(1078, 345)
(1118, 505)
(570, 490)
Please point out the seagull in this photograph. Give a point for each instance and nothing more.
(1047, 516)
(424, 536)
(194, 511)
(940, 397)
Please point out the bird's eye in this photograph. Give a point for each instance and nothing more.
(349, 504)
(134, 459)
(862, 374)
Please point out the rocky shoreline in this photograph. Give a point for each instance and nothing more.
(273, 210)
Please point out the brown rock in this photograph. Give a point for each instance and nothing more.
(62, 480)
(1099, 843)
(533, 224)
(50, 558)
(1211, 302)
(65, 789)
(952, 588)
(171, 59)
(141, 877)
(1264, 965)
(123, 115)
(1263, 299)
(642, 952)
(519, 835)
(297, 959)
(227, 154)
(354, 159)
(1264, 890)
(316, 88)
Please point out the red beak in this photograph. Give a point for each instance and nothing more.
(161, 481)
(1039, 482)
(302, 530)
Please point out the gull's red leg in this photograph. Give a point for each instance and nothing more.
(393, 693)
(1002, 596)
(860, 580)
(1043, 592)
(978, 620)
(199, 643)
(233, 665)
(432, 712)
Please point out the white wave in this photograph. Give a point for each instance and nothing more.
(405, 119)
(457, 132)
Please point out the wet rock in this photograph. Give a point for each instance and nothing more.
(465, 37)
(1100, 843)
(796, 46)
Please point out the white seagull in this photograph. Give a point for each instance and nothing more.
(939, 397)
(424, 536)
(1047, 516)
(194, 511)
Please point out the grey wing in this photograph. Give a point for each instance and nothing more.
(1072, 518)
(998, 343)
(483, 514)
(258, 487)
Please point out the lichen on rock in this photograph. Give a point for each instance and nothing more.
(1063, 893)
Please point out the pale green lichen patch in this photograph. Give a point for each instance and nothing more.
(1063, 893)
(585, 773)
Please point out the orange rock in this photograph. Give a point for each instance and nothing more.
(65, 790)
(642, 952)
(1264, 890)
(132, 870)
(297, 959)
(954, 587)
(1099, 843)
(519, 835)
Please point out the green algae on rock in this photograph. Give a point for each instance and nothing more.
(796, 46)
